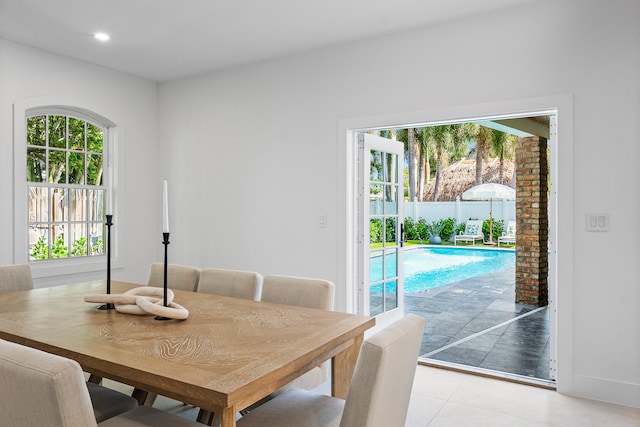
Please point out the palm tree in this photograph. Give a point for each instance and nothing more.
(413, 152)
(391, 167)
(440, 139)
(424, 164)
(503, 145)
(482, 136)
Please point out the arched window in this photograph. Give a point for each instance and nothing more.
(66, 184)
(63, 186)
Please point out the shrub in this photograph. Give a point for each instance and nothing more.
(375, 231)
(423, 229)
(410, 229)
(59, 248)
(498, 227)
(40, 250)
(97, 247)
(390, 230)
(460, 228)
(79, 247)
(447, 228)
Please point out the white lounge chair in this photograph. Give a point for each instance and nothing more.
(472, 232)
(509, 235)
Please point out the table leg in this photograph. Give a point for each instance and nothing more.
(204, 417)
(216, 420)
(229, 417)
(140, 395)
(94, 379)
(343, 365)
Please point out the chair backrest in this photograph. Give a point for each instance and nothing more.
(299, 291)
(511, 228)
(15, 278)
(42, 389)
(231, 283)
(181, 277)
(473, 227)
(381, 386)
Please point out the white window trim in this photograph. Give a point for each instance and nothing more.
(67, 106)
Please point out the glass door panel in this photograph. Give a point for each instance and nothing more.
(381, 204)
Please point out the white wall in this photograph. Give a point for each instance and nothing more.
(129, 102)
(266, 134)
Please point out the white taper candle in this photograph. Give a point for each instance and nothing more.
(110, 192)
(165, 211)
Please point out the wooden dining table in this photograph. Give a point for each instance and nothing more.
(228, 354)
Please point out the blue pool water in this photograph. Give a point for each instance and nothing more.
(429, 267)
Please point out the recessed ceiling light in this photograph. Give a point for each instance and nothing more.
(103, 37)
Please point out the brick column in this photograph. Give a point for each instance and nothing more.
(532, 224)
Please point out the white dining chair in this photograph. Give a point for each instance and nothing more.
(379, 393)
(231, 283)
(227, 283)
(15, 277)
(181, 277)
(298, 291)
(42, 389)
(106, 402)
(301, 292)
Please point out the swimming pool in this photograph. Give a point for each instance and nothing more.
(429, 267)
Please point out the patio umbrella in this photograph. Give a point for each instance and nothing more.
(490, 191)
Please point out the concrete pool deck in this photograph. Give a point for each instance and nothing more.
(476, 323)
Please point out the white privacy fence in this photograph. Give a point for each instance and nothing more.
(461, 210)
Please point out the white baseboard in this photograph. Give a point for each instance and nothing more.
(618, 392)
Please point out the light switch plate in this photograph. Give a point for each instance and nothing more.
(597, 222)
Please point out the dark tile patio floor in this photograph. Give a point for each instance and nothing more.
(476, 323)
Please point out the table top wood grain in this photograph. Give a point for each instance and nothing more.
(227, 355)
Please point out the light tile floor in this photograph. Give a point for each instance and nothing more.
(443, 398)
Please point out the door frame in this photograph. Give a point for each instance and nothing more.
(561, 202)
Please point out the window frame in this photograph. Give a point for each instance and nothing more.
(68, 107)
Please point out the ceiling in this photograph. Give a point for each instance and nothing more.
(521, 126)
(162, 40)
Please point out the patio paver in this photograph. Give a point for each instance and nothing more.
(475, 308)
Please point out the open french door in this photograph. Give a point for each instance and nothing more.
(381, 229)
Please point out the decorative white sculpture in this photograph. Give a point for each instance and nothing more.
(142, 301)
